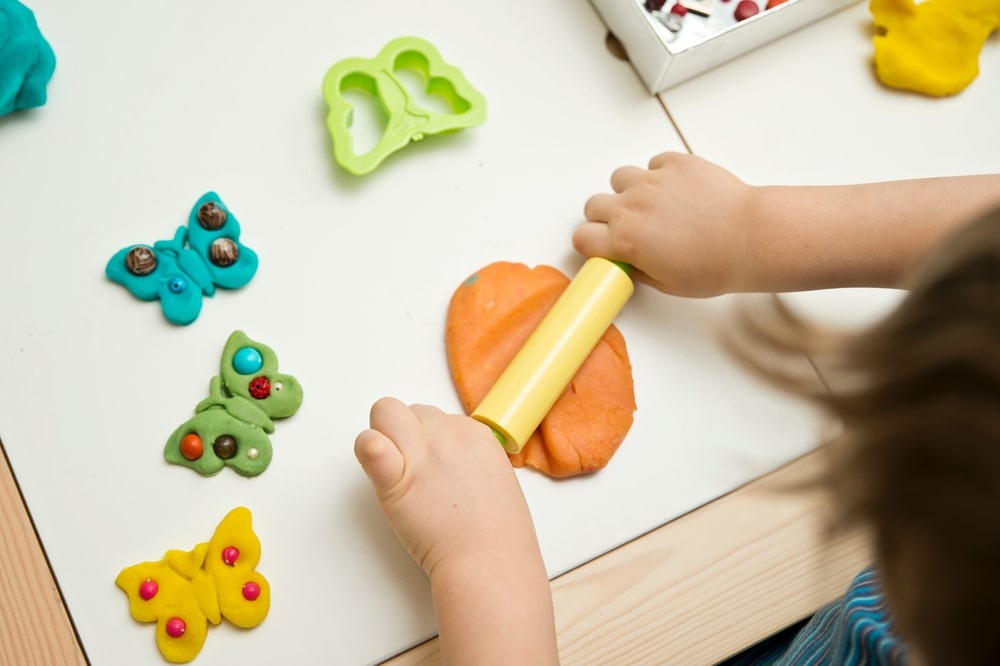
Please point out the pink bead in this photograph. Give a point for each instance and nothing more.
(148, 589)
(230, 555)
(746, 9)
(175, 627)
(251, 591)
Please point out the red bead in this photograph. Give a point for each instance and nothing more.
(260, 387)
(148, 589)
(251, 591)
(191, 446)
(175, 627)
(679, 9)
(746, 9)
(229, 555)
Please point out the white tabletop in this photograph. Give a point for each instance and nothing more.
(154, 104)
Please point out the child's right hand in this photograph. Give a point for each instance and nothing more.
(692, 228)
(683, 223)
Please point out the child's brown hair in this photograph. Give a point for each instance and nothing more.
(919, 458)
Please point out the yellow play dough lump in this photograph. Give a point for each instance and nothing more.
(931, 47)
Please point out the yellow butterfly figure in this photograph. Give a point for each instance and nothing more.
(185, 591)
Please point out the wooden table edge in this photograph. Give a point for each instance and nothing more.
(37, 629)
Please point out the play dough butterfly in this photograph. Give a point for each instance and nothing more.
(231, 426)
(187, 590)
(406, 121)
(205, 254)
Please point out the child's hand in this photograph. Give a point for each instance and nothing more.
(683, 223)
(444, 483)
(447, 488)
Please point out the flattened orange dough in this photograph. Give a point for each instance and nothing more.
(490, 317)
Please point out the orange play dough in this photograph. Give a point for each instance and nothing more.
(490, 316)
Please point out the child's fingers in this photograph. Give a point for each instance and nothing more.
(396, 421)
(380, 458)
(622, 177)
(593, 239)
(426, 413)
(666, 159)
(600, 207)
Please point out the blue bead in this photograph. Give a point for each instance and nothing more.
(247, 361)
(177, 285)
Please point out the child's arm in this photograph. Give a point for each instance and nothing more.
(695, 229)
(450, 494)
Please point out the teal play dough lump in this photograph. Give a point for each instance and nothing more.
(230, 427)
(26, 59)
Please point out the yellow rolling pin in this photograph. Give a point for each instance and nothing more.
(549, 359)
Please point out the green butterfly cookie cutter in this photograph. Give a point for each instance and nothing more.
(406, 120)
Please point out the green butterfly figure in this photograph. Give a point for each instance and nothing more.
(231, 426)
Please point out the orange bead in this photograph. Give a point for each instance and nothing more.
(191, 446)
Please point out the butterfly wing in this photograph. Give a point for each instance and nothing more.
(181, 632)
(158, 593)
(214, 233)
(215, 438)
(231, 560)
(278, 395)
(158, 272)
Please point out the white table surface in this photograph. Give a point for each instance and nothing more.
(153, 104)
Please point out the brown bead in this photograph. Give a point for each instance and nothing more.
(140, 260)
(211, 216)
(224, 446)
(223, 252)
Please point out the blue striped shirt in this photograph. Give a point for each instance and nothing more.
(854, 630)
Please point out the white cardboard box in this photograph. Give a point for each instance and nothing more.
(664, 58)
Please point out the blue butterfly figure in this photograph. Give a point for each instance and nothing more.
(205, 254)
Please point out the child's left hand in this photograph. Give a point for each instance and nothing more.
(444, 483)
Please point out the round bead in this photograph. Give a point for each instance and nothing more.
(745, 9)
(140, 260)
(191, 446)
(175, 627)
(259, 387)
(212, 216)
(252, 454)
(674, 20)
(223, 252)
(148, 589)
(177, 285)
(224, 446)
(230, 554)
(251, 591)
(247, 360)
